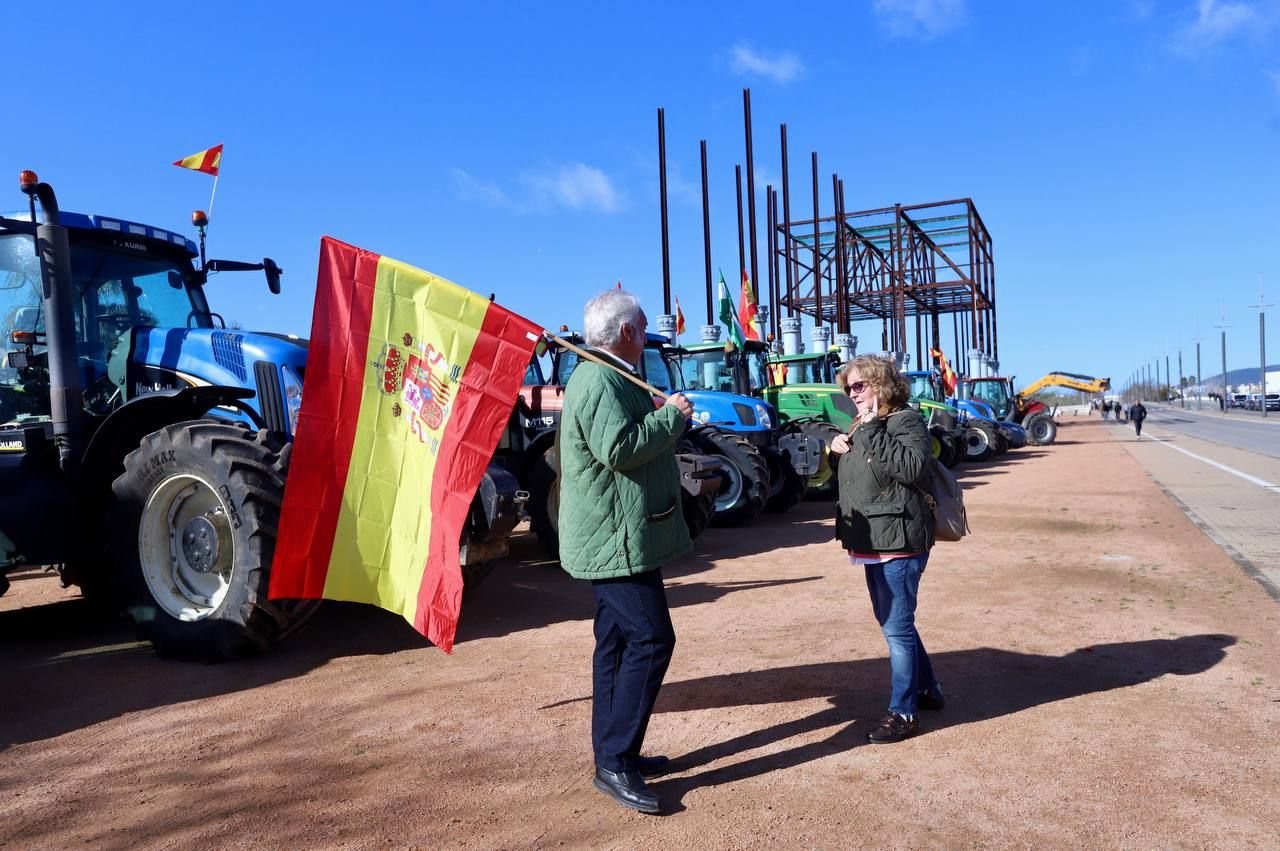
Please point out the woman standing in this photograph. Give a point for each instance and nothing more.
(885, 524)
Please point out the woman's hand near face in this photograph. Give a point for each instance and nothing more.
(840, 444)
(871, 411)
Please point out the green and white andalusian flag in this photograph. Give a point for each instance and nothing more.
(729, 316)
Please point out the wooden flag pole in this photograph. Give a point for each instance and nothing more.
(583, 353)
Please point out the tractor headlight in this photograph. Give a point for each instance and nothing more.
(762, 415)
(292, 388)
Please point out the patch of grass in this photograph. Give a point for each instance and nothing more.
(1256, 681)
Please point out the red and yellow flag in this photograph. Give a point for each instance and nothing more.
(747, 314)
(207, 161)
(410, 381)
(948, 374)
(679, 318)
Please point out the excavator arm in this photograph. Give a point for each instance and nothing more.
(1070, 380)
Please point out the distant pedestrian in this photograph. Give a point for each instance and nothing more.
(887, 527)
(1137, 414)
(1119, 408)
(620, 521)
(1106, 409)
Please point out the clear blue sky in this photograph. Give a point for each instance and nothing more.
(1123, 154)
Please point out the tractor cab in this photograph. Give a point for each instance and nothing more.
(141, 324)
(996, 392)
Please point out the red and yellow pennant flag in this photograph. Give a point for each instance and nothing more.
(747, 314)
(207, 161)
(948, 374)
(410, 381)
(679, 318)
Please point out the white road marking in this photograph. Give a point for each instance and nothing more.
(1262, 483)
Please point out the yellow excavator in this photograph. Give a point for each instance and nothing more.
(1032, 414)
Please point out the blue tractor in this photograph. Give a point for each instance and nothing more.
(721, 381)
(758, 472)
(144, 445)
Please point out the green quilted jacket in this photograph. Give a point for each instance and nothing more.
(619, 485)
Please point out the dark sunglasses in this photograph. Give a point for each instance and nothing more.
(856, 387)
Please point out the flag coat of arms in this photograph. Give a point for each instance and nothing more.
(747, 312)
(410, 382)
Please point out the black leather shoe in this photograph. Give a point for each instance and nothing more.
(893, 728)
(931, 700)
(627, 788)
(653, 766)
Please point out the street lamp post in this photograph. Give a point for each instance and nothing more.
(1262, 346)
(1226, 409)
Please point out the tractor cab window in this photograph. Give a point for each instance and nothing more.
(757, 370)
(923, 387)
(706, 370)
(991, 392)
(23, 388)
(116, 293)
(656, 371)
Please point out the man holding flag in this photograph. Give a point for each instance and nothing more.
(620, 521)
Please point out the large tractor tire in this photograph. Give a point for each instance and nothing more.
(979, 441)
(745, 488)
(786, 487)
(192, 533)
(697, 511)
(823, 484)
(1041, 430)
(544, 502)
(953, 452)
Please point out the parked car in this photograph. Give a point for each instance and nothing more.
(1273, 401)
(1237, 400)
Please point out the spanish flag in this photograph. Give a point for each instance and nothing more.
(207, 161)
(679, 318)
(410, 382)
(747, 314)
(948, 374)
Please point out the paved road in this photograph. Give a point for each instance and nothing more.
(1224, 471)
(1247, 430)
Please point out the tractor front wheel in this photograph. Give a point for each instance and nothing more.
(1041, 430)
(745, 489)
(823, 484)
(193, 531)
(544, 502)
(786, 487)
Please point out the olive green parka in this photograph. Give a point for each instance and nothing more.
(882, 509)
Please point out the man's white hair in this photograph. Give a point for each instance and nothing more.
(604, 316)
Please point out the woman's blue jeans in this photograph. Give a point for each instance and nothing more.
(894, 586)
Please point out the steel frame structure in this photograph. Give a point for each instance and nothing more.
(891, 263)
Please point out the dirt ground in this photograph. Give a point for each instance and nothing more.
(1112, 680)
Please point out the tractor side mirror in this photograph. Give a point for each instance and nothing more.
(175, 279)
(273, 275)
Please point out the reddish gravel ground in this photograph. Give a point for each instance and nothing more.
(1112, 680)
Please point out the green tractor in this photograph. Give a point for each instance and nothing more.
(807, 398)
(946, 423)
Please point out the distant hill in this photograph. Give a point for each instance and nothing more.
(1249, 375)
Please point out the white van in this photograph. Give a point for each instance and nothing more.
(1237, 400)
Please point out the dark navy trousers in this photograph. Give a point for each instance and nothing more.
(634, 642)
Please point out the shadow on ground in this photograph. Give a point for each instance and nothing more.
(981, 684)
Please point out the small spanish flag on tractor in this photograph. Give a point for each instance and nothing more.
(747, 313)
(948, 374)
(206, 161)
(410, 382)
(679, 318)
